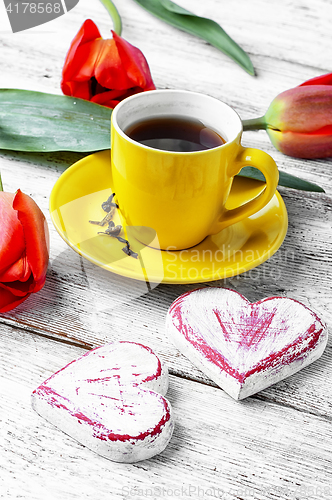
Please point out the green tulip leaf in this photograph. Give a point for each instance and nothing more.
(40, 122)
(115, 16)
(285, 180)
(204, 28)
(173, 7)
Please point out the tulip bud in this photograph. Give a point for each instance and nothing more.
(104, 71)
(23, 249)
(299, 120)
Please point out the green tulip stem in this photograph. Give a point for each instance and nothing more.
(115, 16)
(254, 123)
(1, 186)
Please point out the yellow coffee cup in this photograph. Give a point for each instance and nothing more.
(180, 196)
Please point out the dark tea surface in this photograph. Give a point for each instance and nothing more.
(174, 134)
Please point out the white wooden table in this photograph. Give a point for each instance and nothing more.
(274, 445)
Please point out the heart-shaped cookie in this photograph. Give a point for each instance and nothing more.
(245, 347)
(111, 400)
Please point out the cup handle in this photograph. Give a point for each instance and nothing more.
(261, 160)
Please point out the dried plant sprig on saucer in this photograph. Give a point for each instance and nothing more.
(110, 206)
(127, 248)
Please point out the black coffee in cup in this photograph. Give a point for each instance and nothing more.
(173, 133)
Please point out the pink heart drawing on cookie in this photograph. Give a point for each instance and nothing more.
(111, 400)
(245, 347)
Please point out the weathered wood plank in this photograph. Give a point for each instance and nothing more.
(281, 61)
(281, 51)
(279, 38)
(274, 445)
(286, 31)
(88, 305)
(253, 449)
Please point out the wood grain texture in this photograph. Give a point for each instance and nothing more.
(83, 303)
(275, 445)
(217, 442)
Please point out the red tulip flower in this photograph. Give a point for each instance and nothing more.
(104, 71)
(299, 120)
(23, 249)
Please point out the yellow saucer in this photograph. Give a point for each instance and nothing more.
(77, 197)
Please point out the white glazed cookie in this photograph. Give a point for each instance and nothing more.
(245, 347)
(111, 400)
